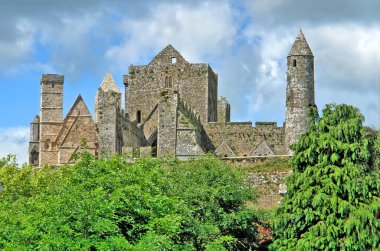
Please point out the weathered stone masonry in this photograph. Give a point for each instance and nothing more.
(171, 109)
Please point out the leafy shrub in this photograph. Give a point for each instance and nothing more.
(108, 204)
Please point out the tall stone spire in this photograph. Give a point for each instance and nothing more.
(300, 46)
(299, 90)
(109, 84)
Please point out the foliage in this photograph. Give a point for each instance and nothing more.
(108, 204)
(332, 200)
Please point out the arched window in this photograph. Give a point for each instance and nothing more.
(34, 158)
(294, 63)
(47, 144)
(170, 82)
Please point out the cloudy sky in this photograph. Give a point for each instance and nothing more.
(245, 42)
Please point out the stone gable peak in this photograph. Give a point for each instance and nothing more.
(79, 108)
(168, 55)
(109, 84)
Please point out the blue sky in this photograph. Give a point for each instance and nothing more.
(245, 41)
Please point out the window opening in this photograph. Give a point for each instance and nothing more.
(138, 116)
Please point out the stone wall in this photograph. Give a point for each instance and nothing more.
(78, 133)
(268, 186)
(212, 95)
(244, 139)
(267, 180)
(133, 136)
(188, 143)
(167, 123)
(224, 110)
(190, 119)
(149, 126)
(107, 109)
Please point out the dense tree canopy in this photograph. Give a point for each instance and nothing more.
(332, 200)
(108, 204)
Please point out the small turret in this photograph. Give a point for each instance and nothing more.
(107, 110)
(34, 144)
(300, 89)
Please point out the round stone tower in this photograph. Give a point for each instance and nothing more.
(299, 90)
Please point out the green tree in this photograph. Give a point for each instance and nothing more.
(108, 204)
(332, 200)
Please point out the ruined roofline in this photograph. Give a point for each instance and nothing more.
(145, 66)
(249, 123)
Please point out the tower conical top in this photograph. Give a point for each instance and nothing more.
(109, 84)
(300, 46)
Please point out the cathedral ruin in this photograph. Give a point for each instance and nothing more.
(171, 109)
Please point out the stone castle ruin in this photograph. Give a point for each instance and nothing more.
(171, 109)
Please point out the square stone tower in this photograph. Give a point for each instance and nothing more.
(51, 120)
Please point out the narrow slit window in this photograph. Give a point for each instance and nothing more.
(294, 63)
(170, 82)
(138, 116)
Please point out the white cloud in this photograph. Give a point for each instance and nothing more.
(18, 48)
(14, 140)
(348, 67)
(348, 53)
(196, 31)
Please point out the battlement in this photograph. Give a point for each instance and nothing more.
(266, 124)
(54, 78)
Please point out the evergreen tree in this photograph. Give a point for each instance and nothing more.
(332, 200)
